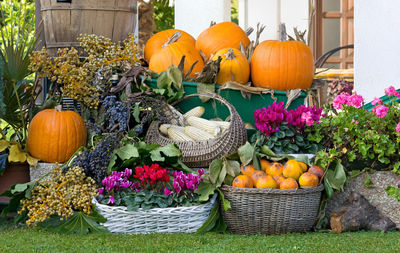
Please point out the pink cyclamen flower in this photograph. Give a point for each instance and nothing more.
(101, 191)
(111, 200)
(391, 91)
(376, 101)
(307, 118)
(380, 110)
(398, 128)
(167, 191)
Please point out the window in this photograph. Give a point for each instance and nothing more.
(334, 27)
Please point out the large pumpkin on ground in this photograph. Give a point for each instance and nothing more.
(234, 66)
(158, 40)
(55, 135)
(282, 65)
(219, 36)
(172, 55)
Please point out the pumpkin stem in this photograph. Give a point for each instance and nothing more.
(173, 39)
(58, 108)
(230, 55)
(212, 23)
(249, 31)
(282, 32)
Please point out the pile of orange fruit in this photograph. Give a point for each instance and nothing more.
(275, 175)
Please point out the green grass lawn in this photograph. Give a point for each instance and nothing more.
(35, 240)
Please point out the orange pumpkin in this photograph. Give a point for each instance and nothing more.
(158, 40)
(55, 135)
(219, 36)
(282, 65)
(234, 66)
(172, 55)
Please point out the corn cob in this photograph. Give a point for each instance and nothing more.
(197, 134)
(203, 124)
(164, 128)
(222, 124)
(178, 135)
(197, 111)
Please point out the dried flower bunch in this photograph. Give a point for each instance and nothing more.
(63, 194)
(75, 76)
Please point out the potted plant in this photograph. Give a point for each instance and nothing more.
(357, 138)
(286, 131)
(17, 97)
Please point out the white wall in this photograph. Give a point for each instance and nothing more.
(377, 46)
(194, 16)
(294, 13)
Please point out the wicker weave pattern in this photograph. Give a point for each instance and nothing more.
(199, 154)
(271, 211)
(156, 220)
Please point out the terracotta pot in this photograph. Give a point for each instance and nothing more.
(15, 173)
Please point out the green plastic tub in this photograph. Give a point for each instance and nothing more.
(385, 100)
(244, 106)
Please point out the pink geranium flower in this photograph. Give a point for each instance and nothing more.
(355, 100)
(391, 91)
(340, 100)
(380, 111)
(398, 128)
(376, 101)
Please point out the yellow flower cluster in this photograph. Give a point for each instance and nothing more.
(75, 76)
(63, 194)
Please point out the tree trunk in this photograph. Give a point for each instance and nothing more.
(358, 214)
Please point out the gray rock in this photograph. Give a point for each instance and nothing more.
(376, 195)
(40, 170)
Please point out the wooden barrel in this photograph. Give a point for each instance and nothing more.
(64, 20)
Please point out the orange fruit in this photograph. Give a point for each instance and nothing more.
(247, 170)
(264, 164)
(279, 179)
(266, 182)
(303, 166)
(243, 181)
(292, 169)
(257, 174)
(316, 171)
(288, 183)
(308, 180)
(275, 169)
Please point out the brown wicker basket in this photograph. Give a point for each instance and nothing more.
(199, 154)
(271, 211)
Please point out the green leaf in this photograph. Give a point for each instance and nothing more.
(136, 113)
(221, 176)
(367, 182)
(280, 134)
(113, 160)
(246, 153)
(226, 203)
(205, 189)
(232, 168)
(127, 151)
(267, 151)
(293, 147)
(78, 223)
(328, 188)
(209, 224)
(303, 158)
(205, 87)
(175, 75)
(336, 175)
(289, 132)
(170, 150)
(215, 170)
(163, 82)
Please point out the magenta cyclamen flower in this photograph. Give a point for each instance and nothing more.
(111, 200)
(167, 191)
(398, 128)
(380, 111)
(268, 120)
(391, 91)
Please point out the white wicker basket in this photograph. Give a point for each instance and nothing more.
(156, 220)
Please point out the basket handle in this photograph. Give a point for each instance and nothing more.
(232, 109)
(64, 1)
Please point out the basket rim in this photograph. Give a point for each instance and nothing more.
(156, 210)
(299, 191)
